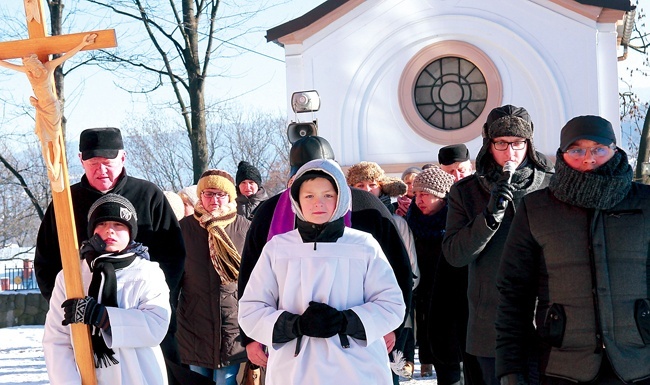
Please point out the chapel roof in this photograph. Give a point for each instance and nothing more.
(319, 17)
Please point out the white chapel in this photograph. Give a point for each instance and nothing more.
(398, 79)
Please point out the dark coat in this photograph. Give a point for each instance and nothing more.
(368, 214)
(208, 331)
(158, 229)
(469, 241)
(246, 205)
(588, 269)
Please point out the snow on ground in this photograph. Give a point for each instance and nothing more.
(22, 362)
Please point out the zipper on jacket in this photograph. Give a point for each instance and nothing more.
(600, 343)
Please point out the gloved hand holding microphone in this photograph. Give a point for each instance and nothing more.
(501, 194)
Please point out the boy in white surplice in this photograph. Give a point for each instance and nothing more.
(322, 296)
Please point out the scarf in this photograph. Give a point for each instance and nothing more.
(426, 226)
(602, 188)
(103, 268)
(526, 178)
(223, 253)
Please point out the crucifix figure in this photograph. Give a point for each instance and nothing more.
(35, 52)
(48, 106)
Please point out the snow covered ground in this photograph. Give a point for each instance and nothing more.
(22, 362)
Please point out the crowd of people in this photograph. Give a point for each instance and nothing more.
(509, 270)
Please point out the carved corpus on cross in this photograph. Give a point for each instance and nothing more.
(48, 128)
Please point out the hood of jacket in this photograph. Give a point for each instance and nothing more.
(331, 168)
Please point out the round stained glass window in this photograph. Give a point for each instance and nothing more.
(450, 93)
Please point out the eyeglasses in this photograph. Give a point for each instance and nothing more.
(210, 195)
(596, 152)
(502, 146)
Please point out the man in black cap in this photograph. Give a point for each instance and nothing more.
(454, 160)
(481, 208)
(274, 216)
(250, 192)
(578, 252)
(102, 156)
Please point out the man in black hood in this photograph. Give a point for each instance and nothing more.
(274, 216)
(481, 208)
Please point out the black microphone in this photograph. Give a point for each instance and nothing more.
(508, 169)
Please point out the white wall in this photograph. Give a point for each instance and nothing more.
(554, 62)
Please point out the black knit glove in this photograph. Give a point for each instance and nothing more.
(321, 320)
(500, 195)
(85, 310)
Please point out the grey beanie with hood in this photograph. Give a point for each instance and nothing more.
(333, 170)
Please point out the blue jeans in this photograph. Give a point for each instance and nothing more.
(224, 376)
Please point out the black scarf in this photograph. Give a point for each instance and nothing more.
(103, 268)
(426, 226)
(602, 188)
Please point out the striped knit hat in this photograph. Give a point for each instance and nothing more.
(217, 179)
(433, 181)
(113, 207)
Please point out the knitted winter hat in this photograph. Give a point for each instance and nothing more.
(508, 120)
(245, 171)
(433, 181)
(113, 207)
(368, 171)
(308, 149)
(587, 127)
(217, 179)
(454, 153)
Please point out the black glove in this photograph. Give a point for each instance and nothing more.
(85, 310)
(500, 195)
(321, 320)
(92, 248)
(513, 379)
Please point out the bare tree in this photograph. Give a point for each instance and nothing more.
(157, 148)
(635, 122)
(24, 189)
(183, 36)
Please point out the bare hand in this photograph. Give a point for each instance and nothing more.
(403, 204)
(256, 354)
(89, 39)
(390, 341)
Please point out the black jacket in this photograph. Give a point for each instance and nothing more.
(158, 229)
(368, 214)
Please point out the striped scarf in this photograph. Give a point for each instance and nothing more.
(225, 257)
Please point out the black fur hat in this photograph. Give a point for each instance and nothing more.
(454, 153)
(105, 142)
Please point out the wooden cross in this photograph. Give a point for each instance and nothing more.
(42, 46)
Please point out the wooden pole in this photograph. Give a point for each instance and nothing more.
(53, 147)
